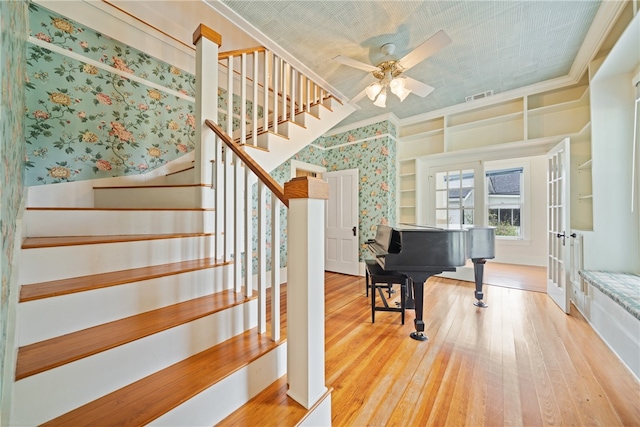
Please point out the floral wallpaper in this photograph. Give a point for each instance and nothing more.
(372, 150)
(13, 30)
(98, 108)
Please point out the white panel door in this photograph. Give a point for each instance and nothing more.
(558, 224)
(341, 222)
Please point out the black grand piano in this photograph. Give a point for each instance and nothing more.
(421, 251)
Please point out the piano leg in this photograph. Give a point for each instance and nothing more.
(410, 302)
(418, 294)
(478, 270)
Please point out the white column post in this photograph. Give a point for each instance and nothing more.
(207, 43)
(305, 289)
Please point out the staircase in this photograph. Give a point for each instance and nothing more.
(137, 310)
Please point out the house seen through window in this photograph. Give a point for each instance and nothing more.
(504, 201)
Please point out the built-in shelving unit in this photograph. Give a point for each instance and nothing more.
(581, 181)
(541, 120)
(407, 191)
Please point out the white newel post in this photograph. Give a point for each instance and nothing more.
(305, 289)
(207, 42)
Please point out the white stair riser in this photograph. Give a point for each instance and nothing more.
(45, 264)
(305, 119)
(51, 223)
(150, 197)
(47, 318)
(181, 178)
(47, 395)
(219, 401)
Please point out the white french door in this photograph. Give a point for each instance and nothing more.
(558, 223)
(341, 222)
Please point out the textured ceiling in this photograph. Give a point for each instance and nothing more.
(497, 45)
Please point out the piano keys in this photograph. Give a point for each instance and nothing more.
(422, 251)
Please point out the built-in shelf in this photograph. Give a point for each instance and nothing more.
(585, 165)
(525, 125)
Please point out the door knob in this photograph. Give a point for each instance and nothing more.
(354, 230)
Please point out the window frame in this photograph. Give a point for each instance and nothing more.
(525, 195)
(515, 205)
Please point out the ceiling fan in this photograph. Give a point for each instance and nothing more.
(389, 73)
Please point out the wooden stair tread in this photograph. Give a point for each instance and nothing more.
(96, 281)
(48, 242)
(145, 400)
(271, 407)
(54, 352)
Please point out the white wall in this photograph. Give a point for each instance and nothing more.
(614, 244)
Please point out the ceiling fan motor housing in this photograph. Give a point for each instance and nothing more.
(392, 67)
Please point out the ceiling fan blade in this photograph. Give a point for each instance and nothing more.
(425, 50)
(358, 97)
(345, 60)
(419, 88)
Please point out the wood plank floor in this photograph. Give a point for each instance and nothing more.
(520, 362)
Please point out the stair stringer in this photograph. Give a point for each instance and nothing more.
(278, 149)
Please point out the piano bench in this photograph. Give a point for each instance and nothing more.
(378, 279)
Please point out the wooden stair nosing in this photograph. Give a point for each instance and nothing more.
(51, 242)
(58, 351)
(54, 288)
(149, 398)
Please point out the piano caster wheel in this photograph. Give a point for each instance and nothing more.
(480, 303)
(418, 336)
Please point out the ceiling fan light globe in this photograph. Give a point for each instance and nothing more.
(381, 100)
(403, 93)
(397, 85)
(373, 90)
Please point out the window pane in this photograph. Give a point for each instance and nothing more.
(468, 216)
(441, 217)
(441, 199)
(504, 201)
(454, 217)
(441, 180)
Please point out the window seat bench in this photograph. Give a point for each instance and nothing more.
(623, 288)
(611, 305)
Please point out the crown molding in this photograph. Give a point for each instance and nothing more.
(605, 19)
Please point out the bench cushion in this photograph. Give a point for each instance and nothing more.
(623, 288)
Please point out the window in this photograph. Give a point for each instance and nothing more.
(454, 197)
(504, 201)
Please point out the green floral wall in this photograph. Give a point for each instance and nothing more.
(372, 150)
(13, 30)
(98, 108)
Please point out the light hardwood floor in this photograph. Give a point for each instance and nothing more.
(520, 362)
